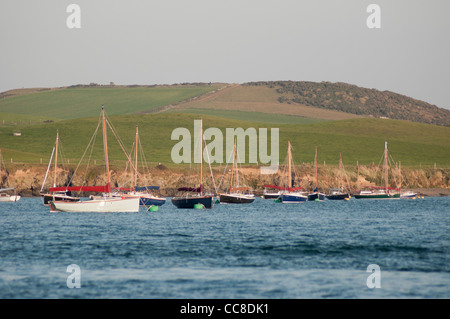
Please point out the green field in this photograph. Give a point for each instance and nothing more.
(72, 103)
(358, 140)
(75, 113)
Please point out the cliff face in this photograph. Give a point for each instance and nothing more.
(27, 181)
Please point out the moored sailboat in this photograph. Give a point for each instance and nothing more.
(339, 193)
(316, 195)
(4, 196)
(107, 203)
(268, 193)
(381, 192)
(146, 197)
(236, 193)
(194, 196)
(55, 195)
(291, 194)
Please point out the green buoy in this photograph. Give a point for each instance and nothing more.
(199, 206)
(153, 208)
(278, 200)
(317, 200)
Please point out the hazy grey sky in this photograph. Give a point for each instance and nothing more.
(234, 41)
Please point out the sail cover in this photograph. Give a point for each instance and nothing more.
(99, 189)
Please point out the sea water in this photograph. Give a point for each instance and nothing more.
(260, 250)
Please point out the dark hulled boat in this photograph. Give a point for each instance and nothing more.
(316, 195)
(194, 196)
(236, 198)
(270, 195)
(338, 195)
(293, 197)
(236, 194)
(191, 200)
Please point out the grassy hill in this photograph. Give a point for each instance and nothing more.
(81, 101)
(38, 113)
(257, 102)
(360, 140)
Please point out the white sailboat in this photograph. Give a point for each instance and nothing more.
(147, 199)
(381, 192)
(57, 195)
(5, 197)
(102, 204)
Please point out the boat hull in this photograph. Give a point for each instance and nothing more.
(293, 198)
(316, 196)
(271, 195)
(236, 199)
(377, 196)
(47, 198)
(9, 198)
(151, 200)
(338, 196)
(105, 205)
(191, 201)
(408, 195)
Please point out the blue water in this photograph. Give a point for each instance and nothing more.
(261, 250)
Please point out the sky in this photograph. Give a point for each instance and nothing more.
(232, 41)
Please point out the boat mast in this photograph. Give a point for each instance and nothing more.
(105, 145)
(385, 166)
(289, 165)
(56, 158)
(340, 171)
(236, 164)
(232, 167)
(201, 157)
(315, 164)
(136, 155)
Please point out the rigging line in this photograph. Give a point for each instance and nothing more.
(144, 163)
(48, 168)
(87, 147)
(221, 179)
(147, 175)
(210, 168)
(120, 143)
(116, 135)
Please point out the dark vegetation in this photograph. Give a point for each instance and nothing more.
(357, 100)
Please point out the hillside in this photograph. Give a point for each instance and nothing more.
(356, 100)
(80, 101)
(362, 140)
(257, 102)
(284, 102)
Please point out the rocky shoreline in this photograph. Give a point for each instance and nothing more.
(27, 179)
